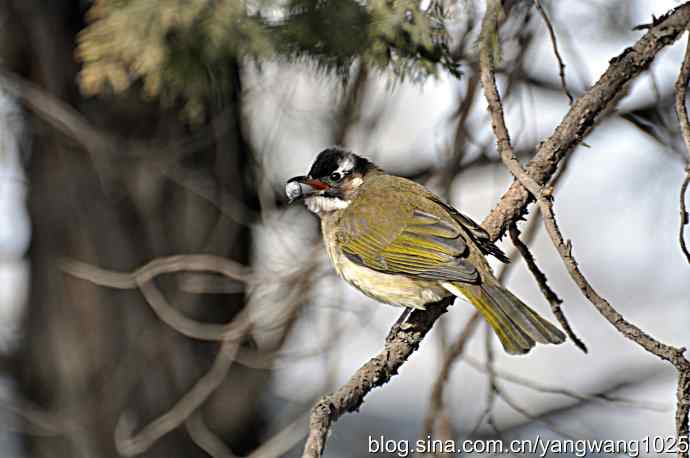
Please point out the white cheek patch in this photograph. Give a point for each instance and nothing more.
(356, 182)
(320, 204)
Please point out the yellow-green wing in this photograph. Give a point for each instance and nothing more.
(477, 233)
(408, 242)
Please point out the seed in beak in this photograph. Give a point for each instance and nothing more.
(293, 190)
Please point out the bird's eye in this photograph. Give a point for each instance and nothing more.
(336, 176)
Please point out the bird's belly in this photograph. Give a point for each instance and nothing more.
(390, 289)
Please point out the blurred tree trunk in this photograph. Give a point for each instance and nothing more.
(90, 353)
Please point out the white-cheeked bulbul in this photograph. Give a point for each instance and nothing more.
(400, 244)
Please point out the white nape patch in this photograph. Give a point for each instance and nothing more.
(346, 165)
(356, 182)
(321, 204)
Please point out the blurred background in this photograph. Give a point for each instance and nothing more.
(132, 131)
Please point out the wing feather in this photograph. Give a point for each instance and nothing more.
(420, 244)
(475, 231)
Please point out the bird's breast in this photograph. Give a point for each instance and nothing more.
(390, 289)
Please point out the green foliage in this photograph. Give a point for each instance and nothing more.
(180, 49)
(177, 48)
(330, 32)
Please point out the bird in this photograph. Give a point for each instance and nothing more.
(400, 244)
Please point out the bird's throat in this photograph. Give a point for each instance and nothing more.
(322, 205)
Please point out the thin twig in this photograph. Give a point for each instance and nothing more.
(487, 74)
(537, 418)
(129, 444)
(682, 112)
(548, 389)
(187, 326)
(671, 354)
(159, 266)
(550, 295)
(143, 277)
(554, 44)
(684, 219)
(492, 386)
(284, 440)
(206, 439)
(230, 334)
(450, 357)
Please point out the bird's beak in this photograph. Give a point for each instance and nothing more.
(300, 187)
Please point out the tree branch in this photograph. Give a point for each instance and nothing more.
(74, 125)
(583, 114)
(129, 444)
(603, 397)
(550, 295)
(554, 45)
(682, 112)
(206, 439)
(545, 201)
(143, 278)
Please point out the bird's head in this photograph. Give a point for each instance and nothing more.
(332, 182)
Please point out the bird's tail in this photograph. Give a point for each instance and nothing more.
(518, 327)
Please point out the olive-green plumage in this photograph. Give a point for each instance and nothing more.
(400, 244)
